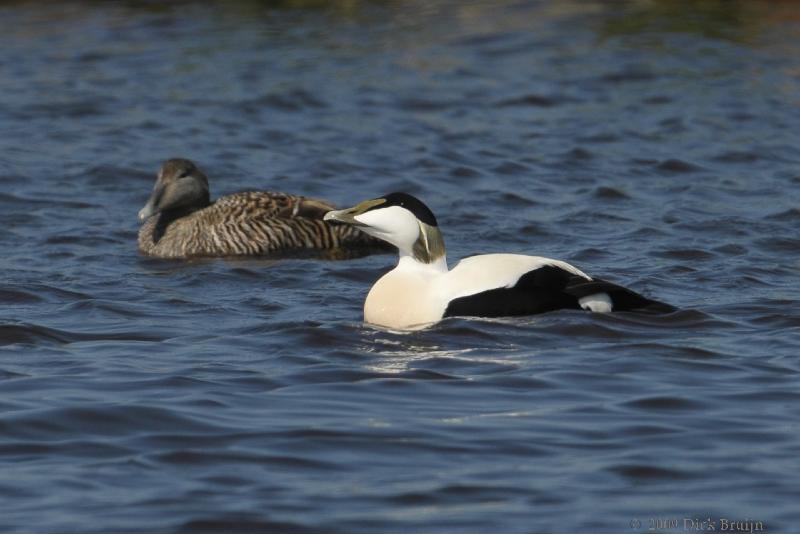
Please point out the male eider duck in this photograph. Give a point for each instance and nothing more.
(180, 221)
(421, 290)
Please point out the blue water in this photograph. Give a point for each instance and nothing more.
(651, 143)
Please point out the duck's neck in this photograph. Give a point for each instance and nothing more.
(408, 262)
(427, 252)
(167, 217)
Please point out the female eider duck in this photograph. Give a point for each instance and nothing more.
(421, 290)
(180, 221)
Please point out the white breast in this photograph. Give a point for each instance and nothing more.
(404, 299)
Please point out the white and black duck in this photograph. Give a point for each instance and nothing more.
(181, 221)
(422, 290)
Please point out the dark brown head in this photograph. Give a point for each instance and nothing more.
(180, 185)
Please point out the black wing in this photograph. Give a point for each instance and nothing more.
(547, 289)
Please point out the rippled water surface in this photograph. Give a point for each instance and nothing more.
(653, 143)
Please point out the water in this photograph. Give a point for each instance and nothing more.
(651, 143)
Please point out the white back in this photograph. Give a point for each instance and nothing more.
(490, 271)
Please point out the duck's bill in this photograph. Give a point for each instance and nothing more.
(347, 216)
(151, 208)
(146, 212)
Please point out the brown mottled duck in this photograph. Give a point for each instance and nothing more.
(180, 221)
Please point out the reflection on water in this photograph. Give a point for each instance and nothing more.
(399, 352)
(404, 358)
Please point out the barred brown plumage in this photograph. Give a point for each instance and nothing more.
(180, 221)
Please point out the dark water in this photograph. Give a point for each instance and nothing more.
(653, 143)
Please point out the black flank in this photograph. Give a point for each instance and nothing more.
(548, 288)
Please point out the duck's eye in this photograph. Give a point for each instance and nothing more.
(183, 174)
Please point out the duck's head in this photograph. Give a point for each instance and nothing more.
(400, 219)
(180, 185)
